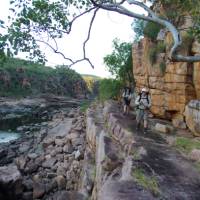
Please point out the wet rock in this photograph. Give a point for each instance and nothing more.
(3, 152)
(24, 147)
(10, 181)
(38, 190)
(61, 182)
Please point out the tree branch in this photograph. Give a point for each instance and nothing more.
(55, 49)
(153, 18)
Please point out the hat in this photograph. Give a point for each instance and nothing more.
(144, 90)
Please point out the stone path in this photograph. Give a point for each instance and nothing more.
(177, 177)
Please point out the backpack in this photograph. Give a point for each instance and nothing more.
(147, 97)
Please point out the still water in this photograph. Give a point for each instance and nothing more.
(8, 136)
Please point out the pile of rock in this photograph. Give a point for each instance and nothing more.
(50, 163)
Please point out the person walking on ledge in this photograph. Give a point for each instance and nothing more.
(127, 99)
(143, 103)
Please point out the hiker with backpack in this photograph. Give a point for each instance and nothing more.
(143, 103)
(127, 95)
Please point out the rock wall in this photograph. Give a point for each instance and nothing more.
(172, 89)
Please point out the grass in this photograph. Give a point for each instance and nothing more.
(186, 145)
(149, 183)
(84, 106)
(197, 166)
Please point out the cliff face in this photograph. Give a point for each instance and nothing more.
(172, 88)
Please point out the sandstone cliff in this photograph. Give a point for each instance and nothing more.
(171, 85)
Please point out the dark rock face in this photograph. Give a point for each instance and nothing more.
(10, 182)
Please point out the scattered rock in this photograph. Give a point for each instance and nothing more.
(49, 163)
(68, 148)
(10, 181)
(195, 155)
(61, 182)
(162, 128)
(38, 190)
(59, 142)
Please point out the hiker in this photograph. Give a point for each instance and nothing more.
(127, 99)
(143, 103)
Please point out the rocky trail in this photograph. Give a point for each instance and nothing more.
(133, 165)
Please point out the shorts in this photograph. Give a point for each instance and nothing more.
(127, 101)
(141, 115)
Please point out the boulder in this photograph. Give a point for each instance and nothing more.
(162, 128)
(38, 190)
(11, 182)
(192, 116)
(49, 163)
(195, 155)
(59, 142)
(61, 182)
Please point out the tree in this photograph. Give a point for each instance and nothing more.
(53, 19)
(119, 62)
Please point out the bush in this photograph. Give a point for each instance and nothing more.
(38, 78)
(151, 30)
(109, 89)
(162, 67)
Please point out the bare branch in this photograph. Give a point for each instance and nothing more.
(55, 49)
(78, 16)
(89, 32)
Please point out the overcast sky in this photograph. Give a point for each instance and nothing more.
(106, 27)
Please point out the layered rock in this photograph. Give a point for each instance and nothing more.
(192, 116)
(171, 89)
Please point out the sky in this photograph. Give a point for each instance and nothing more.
(106, 27)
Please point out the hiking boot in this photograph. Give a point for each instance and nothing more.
(145, 130)
(137, 127)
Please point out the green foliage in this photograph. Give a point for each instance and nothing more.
(32, 18)
(162, 67)
(186, 144)
(148, 29)
(183, 7)
(84, 106)
(151, 30)
(22, 78)
(149, 183)
(109, 89)
(154, 51)
(138, 26)
(119, 62)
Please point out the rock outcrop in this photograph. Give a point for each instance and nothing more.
(121, 163)
(171, 85)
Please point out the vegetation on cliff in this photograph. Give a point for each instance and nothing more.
(21, 78)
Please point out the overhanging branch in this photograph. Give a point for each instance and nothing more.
(173, 56)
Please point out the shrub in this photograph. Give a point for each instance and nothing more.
(151, 30)
(109, 89)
